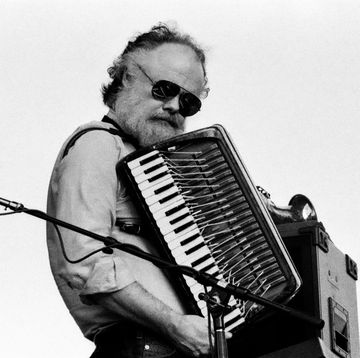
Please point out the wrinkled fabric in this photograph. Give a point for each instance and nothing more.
(84, 190)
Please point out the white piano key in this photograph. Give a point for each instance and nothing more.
(167, 227)
(236, 323)
(194, 286)
(208, 262)
(185, 259)
(213, 270)
(236, 316)
(165, 220)
(180, 249)
(161, 212)
(149, 185)
(196, 290)
(140, 169)
(231, 315)
(203, 309)
(151, 191)
(177, 240)
(202, 304)
(190, 281)
(190, 259)
(232, 301)
(155, 198)
(136, 162)
(145, 177)
(157, 206)
(172, 235)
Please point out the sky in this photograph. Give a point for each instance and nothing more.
(285, 82)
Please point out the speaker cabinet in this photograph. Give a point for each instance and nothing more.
(328, 292)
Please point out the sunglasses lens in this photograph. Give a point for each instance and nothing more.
(165, 89)
(189, 104)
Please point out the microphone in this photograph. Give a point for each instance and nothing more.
(13, 205)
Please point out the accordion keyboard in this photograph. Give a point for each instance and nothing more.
(206, 221)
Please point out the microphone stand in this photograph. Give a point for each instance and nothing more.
(216, 304)
(220, 287)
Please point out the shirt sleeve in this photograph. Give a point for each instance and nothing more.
(83, 192)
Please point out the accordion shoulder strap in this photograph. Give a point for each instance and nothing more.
(114, 131)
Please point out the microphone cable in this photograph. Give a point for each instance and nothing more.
(62, 245)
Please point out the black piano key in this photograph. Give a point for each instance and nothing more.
(175, 209)
(158, 176)
(167, 198)
(233, 320)
(151, 169)
(149, 159)
(179, 218)
(183, 227)
(163, 188)
(196, 247)
(200, 260)
(208, 267)
(189, 239)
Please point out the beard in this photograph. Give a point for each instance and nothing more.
(154, 129)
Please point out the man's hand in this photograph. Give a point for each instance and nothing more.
(190, 334)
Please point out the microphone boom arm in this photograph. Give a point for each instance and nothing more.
(203, 278)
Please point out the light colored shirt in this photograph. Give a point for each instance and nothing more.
(84, 191)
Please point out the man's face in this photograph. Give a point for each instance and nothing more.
(151, 120)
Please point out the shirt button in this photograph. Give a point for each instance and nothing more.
(147, 347)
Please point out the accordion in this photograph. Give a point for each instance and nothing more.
(206, 213)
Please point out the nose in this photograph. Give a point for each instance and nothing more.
(172, 105)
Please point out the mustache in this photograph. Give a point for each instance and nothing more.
(175, 120)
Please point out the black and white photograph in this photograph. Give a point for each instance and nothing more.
(179, 178)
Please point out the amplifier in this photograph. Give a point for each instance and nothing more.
(328, 292)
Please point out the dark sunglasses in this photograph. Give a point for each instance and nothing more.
(165, 90)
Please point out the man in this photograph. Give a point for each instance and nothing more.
(126, 305)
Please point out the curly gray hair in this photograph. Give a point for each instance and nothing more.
(157, 36)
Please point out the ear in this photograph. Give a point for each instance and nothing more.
(126, 77)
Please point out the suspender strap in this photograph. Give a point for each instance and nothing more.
(126, 137)
(107, 119)
(114, 131)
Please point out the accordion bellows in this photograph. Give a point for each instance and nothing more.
(206, 213)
